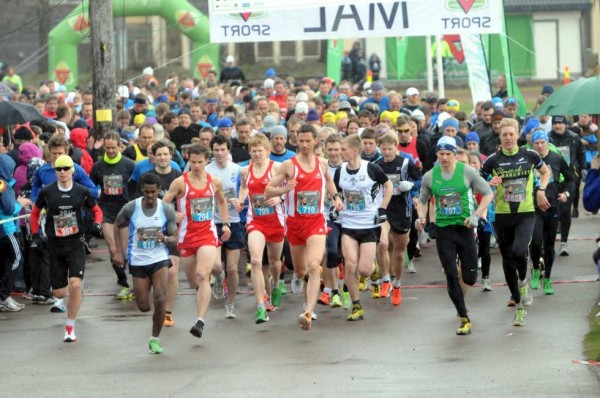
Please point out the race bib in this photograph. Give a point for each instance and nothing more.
(147, 238)
(308, 202)
(355, 201)
(395, 179)
(113, 185)
(514, 190)
(202, 209)
(65, 225)
(450, 204)
(566, 153)
(229, 193)
(258, 206)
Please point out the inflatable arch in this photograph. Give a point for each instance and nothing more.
(64, 39)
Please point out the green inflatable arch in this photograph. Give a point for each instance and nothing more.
(64, 39)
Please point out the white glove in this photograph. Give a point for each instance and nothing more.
(405, 186)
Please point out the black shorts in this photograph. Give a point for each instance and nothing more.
(363, 235)
(173, 251)
(146, 271)
(236, 240)
(67, 260)
(400, 225)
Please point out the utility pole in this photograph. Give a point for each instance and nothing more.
(103, 70)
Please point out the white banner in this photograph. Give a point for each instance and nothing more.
(479, 80)
(382, 18)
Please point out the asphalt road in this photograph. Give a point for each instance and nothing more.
(407, 351)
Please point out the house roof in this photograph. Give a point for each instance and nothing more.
(546, 5)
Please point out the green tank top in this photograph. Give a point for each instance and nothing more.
(454, 201)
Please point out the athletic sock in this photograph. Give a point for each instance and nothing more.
(200, 319)
(327, 290)
(260, 306)
(71, 322)
(386, 278)
(397, 283)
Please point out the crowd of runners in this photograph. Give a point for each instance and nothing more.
(335, 187)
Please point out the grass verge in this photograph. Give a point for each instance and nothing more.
(591, 343)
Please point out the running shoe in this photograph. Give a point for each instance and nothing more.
(486, 285)
(305, 321)
(534, 283)
(269, 304)
(218, 292)
(511, 302)
(336, 301)
(346, 300)
(297, 284)
(8, 306)
(169, 322)
(465, 327)
(564, 249)
(411, 267)
(70, 334)
(276, 297)
(324, 299)
(197, 329)
(28, 295)
(14, 302)
(155, 347)
(526, 297)
(357, 313)
(43, 300)
(261, 316)
(548, 286)
(58, 306)
(520, 315)
(282, 287)
(124, 294)
(384, 291)
(375, 291)
(229, 311)
(362, 283)
(396, 296)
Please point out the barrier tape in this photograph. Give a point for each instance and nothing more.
(7, 220)
(591, 363)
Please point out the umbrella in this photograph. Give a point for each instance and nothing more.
(5, 91)
(18, 112)
(579, 97)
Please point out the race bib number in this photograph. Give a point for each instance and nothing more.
(450, 204)
(355, 201)
(514, 190)
(65, 225)
(566, 153)
(113, 185)
(395, 179)
(259, 208)
(229, 193)
(147, 238)
(202, 209)
(308, 202)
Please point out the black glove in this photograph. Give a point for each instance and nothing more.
(96, 230)
(36, 241)
(481, 225)
(334, 215)
(381, 216)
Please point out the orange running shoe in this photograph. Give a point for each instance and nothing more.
(384, 291)
(396, 296)
(324, 299)
(305, 321)
(268, 304)
(168, 322)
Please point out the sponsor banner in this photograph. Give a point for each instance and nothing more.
(382, 18)
(478, 74)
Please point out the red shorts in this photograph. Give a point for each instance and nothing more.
(188, 249)
(272, 233)
(298, 230)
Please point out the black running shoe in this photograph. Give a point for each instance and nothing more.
(197, 329)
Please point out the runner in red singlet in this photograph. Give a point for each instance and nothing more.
(264, 223)
(308, 180)
(196, 192)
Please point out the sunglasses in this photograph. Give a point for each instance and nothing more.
(510, 101)
(62, 168)
(404, 131)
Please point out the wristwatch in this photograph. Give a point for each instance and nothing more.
(226, 224)
(567, 194)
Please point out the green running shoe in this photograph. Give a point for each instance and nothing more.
(261, 316)
(534, 283)
(124, 294)
(346, 301)
(336, 301)
(548, 286)
(282, 287)
(520, 315)
(155, 347)
(276, 297)
(464, 328)
(357, 313)
(526, 297)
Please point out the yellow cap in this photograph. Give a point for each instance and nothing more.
(453, 105)
(139, 119)
(64, 161)
(341, 115)
(328, 117)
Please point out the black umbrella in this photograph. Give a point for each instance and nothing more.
(18, 112)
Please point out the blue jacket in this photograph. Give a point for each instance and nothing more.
(9, 207)
(591, 191)
(46, 175)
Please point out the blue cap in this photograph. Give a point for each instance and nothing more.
(446, 144)
(531, 125)
(225, 122)
(450, 122)
(270, 73)
(498, 103)
(547, 89)
(539, 134)
(559, 119)
(312, 116)
(472, 136)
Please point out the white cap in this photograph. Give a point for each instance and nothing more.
(418, 114)
(229, 59)
(269, 83)
(301, 97)
(412, 91)
(136, 91)
(301, 107)
(148, 71)
(442, 117)
(123, 91)
(70, 97)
